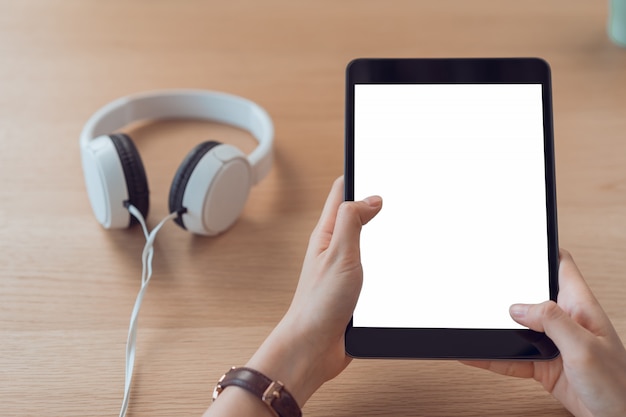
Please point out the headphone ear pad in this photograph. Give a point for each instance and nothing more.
(181, 178)
(114, 175)
(210, 188)
(134, 174)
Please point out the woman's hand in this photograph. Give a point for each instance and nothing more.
(307, 347)
(589, 377)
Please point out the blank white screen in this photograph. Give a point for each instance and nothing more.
(462, 234)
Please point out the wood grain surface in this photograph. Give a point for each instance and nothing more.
(67, 286)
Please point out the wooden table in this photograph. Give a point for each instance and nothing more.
(67, 286)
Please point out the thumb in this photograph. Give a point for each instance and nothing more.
(548, 317)
(350, 217)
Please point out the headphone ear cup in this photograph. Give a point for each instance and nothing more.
(210, 188)
(114, 175)
(134, 174)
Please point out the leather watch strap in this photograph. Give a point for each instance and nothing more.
(272, 393)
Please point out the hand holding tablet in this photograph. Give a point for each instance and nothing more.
(307, 347)
(589, 377)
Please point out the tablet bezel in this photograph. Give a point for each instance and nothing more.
(429, 343)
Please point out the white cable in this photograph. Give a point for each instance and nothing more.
(146, 274)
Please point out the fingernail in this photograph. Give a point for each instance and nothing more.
(518, 310)
(373, 201)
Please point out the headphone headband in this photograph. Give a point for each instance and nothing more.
(189, 104)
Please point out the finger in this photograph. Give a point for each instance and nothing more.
(548, 317)
(517, 369)
(351, 216)
(326, 223)
(577, 299)
(571, 280)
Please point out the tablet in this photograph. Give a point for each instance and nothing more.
(461, 150)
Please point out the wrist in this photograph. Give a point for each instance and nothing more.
(283, 357)
(237, 398)
(271, 392)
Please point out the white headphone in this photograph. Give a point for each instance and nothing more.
(211, 185)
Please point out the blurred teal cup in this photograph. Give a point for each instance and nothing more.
(617, 22)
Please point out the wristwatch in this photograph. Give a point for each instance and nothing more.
(272, 393)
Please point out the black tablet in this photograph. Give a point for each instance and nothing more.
(461, 150)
